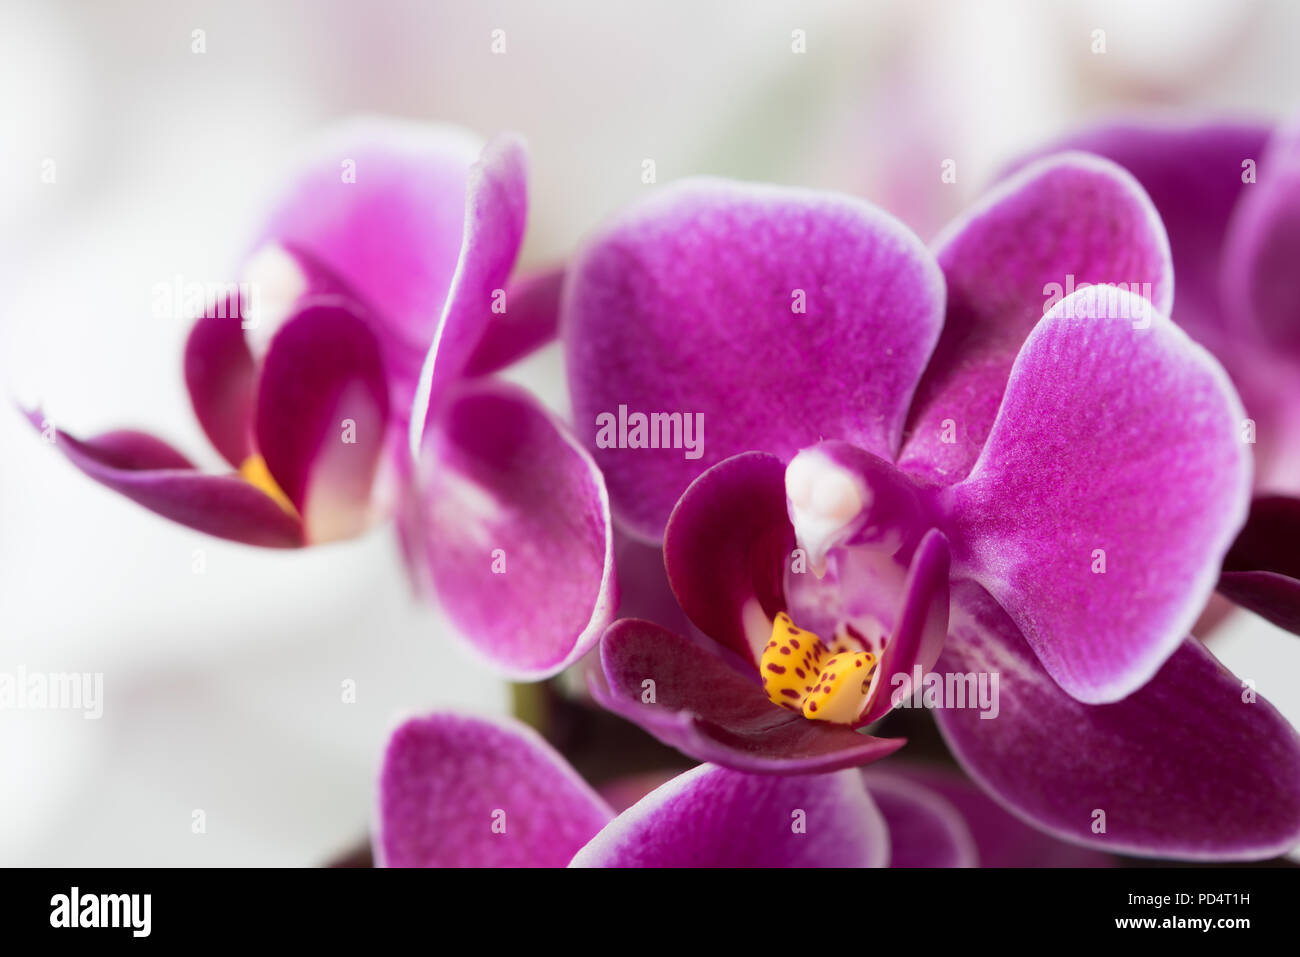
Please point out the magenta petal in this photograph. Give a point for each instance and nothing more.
(1111, 486)
(381, 203)
(219, 373)
(1268, 594)
(1001, 839)
(715, 817)
(918, 635)
(513, 527)
(925, 830)
(1262, 246)
(780, 316)
(151, 473)
(726, 546)
(644, 591)
(1068, 220)
(322, 416)
(1262, 569)
(457, 791)
(698, 702)
(496, 207)
(1192, 765)
(532, 313)
(1193, 174)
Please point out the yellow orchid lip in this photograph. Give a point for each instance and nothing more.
(253, 470)
(800, 673)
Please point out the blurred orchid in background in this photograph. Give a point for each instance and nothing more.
(1029, 433)
(343, 383)
(457, 791)
(1228, 191)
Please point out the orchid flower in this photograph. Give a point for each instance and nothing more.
(1229, 194)
(922, 464)
(457, 791)
(343, 383)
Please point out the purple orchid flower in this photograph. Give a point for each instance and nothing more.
(1229, 194)
(457, 791)
(897, 481)
(344, 383)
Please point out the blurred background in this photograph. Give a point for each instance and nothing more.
(224, 665)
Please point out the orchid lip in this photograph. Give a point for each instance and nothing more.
(857, 521)
(824, 682)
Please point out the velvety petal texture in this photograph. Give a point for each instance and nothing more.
(1224, 192)
(1194, 174)
(1262, 570)
(1192, 766)
(1061, 223)
(153, 474)
(457, 791)
(1111, 486)
(322, 416)
(776, 316)
(715, 817)
(511, 525)
(695, 697)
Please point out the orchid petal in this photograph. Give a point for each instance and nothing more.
(496, 206)
(153, 474)
(530, 320)
(322, 414)
(457, 791)
(1191, 766)
(1111, 486)
(381, 203)
(220, 375)
(918, 635)
(511, 525)
(1001, 838)
(1064, 221)
(775, 316)
(925, 830)
(725, 549)
(1262, 569)
(1261, 247)
(1193, 173)
(690, 697)
(715, 817)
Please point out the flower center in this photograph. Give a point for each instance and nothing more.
(801, 673)
(255, 473)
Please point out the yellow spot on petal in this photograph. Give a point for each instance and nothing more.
(256, 474)
(801, 674)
